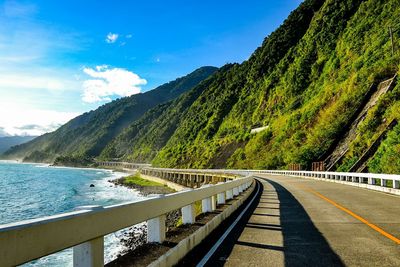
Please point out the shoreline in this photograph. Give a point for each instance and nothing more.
(144, 190)
(135, 237)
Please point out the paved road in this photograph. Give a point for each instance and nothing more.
(302, 222)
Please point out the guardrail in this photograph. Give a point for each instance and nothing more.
(84, 229)
(127, 165)
(389, 183)
(191, 178)
(374, 181)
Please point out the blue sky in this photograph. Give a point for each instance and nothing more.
(61, 58)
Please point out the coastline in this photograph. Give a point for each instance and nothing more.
(128, 240)
(143, 189)
(66, 189)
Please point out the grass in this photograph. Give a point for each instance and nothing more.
(137, 180)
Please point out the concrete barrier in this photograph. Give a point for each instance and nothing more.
(175, 254)
(84, 229)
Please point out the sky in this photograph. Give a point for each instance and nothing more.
(59, 59)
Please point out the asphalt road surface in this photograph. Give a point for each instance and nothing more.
(303, 222)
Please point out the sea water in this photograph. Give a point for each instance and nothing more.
(29, 191)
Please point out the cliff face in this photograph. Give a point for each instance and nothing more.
(304, 89)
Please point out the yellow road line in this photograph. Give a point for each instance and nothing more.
(358, 217)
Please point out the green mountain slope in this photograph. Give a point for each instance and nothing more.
(306, 86)
(6, 142)
(305, 83)
(141, 141)
(87, 135)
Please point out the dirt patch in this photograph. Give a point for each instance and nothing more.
(224, 153)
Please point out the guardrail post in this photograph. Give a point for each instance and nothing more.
(156, 229)
(396, 184)
(188, 214)
(221, 197)
(229, 194)
(214, 202)
(240, 189)
(235, 191)
(91, 253)
(206, 204)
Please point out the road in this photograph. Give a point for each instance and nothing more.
(304, 222)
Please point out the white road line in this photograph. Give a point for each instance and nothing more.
(222, 238)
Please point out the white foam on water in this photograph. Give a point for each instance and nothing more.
(109, 193)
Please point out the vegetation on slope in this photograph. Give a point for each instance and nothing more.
(6, 142)
(305, 84)
(88, 134)
(142, 140)
(307, 96)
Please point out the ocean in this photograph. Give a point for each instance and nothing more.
(29, 191)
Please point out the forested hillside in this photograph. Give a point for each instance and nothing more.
(311, 85)
(6, 142)
(305, 83)
(84, 137)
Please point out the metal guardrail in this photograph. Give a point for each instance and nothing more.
(85, 229)
(366, 180)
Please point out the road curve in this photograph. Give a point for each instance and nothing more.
(304, 222)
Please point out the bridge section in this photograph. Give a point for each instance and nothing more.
(306, 222)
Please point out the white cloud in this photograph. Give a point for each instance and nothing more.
(24, 81)
(110, 82)
(128, 36)
(111, 38)
(39, 78)
(29, 121)
(3, 132)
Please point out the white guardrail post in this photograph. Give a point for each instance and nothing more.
(188, 212)
(206, 203)
(156, 228)
(221, 197)
(91, 253)
(235, 191)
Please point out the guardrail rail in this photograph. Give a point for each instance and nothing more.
(85, 228)
(373, 181)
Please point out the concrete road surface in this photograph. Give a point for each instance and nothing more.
(304, 222)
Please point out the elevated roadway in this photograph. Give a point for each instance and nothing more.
(303, 222)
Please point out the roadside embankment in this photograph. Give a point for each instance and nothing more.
(144, 186)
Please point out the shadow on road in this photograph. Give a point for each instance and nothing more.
(303, 244)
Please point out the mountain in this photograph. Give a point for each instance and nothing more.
(311, 86)
(321, 87)
(85, 136)
(6, 142)
(142, 140)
